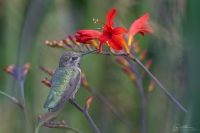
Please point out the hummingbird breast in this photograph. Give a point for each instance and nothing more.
(65, 84)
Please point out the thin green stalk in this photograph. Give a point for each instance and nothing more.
(12, 99)
(38, 127)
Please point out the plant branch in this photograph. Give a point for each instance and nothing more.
(143, 108)
(110, 106)
(85, 112)
(138, 81)
(61, 124)
(73, 102)
(12, 99)
(158, 83)
(22, 94)
(91, 121)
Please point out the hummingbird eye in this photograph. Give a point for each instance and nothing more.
(74, 58)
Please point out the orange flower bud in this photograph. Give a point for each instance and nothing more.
(47, 82)
(122, 61)
(128, 71)
(89, 100)
(9, 69)
(55, 44)
(151, 86)
(83, 80)
(136, 47)
(94, 43)
(18, 73)
(142, 55)
(26, 68)
(73, 39)
(148, 64)
(48, 71)
(67, 42)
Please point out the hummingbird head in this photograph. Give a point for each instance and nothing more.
(70, 59)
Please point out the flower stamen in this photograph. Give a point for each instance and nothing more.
(97, 20)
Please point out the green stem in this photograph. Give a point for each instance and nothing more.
(158, 83)
(85, 112)
(37, 128)
(12, 99)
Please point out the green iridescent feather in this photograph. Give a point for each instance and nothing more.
(65, 83)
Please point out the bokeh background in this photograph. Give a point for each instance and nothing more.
(174, 49)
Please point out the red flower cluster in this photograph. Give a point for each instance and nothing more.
(114, 36)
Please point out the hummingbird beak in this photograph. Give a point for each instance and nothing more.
(88, 52)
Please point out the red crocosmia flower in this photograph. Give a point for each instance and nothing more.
(87, 35)
(110, 35)
(139, 26)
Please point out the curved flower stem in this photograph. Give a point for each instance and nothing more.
(38, 128)
(158, 83)
(85, 112)
(12, 99)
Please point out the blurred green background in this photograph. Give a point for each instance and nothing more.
(174, 48)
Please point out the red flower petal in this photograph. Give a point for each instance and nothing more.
(139, 26)
(119, 30)
(88, 32)
(110, 16)
(86, 35)
(116, 42)
(145, 17)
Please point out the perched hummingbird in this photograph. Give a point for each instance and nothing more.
(65, 81)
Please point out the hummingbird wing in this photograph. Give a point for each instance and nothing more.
(65, 83)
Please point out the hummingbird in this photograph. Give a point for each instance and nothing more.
(65, 81)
